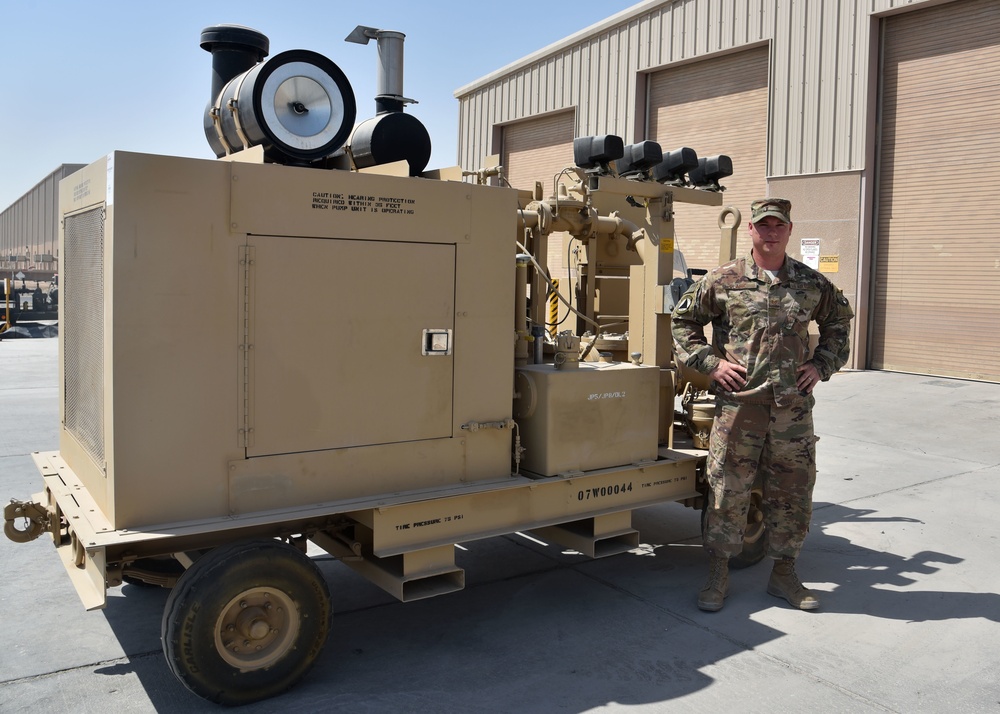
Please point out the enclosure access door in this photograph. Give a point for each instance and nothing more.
(350, 343)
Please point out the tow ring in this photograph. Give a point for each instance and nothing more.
(35, 517)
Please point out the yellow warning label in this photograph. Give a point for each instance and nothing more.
(666, 245)
(829, 264)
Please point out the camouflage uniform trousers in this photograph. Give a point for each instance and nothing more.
(777, 442)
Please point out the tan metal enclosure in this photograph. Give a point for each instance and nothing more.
(937, 283)
(268, 385)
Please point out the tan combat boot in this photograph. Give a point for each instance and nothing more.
(714, 593)
(785, 583)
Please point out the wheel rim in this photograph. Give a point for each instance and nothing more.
(257, 628)
(755, 517)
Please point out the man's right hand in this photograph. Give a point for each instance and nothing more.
(730, 376)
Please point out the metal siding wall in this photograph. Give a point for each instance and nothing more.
(814, 99)
(32, 222)
(597, 75)
(819, 86)
(851, 84)
(819, 80)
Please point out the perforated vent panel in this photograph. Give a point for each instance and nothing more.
(83, 330)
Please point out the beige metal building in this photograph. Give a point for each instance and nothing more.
(877, 118)
(29, 229)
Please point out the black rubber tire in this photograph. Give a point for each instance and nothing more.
(269, 575)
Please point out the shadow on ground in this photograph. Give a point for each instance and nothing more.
(541, 629)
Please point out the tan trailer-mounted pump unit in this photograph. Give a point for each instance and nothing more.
(312, 338)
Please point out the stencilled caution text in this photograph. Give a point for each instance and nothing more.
(363, 203)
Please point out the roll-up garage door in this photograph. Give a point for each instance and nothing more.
(715, 106)
(937, 260)
(536, 150)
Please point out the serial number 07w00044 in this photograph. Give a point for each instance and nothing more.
(604, 491)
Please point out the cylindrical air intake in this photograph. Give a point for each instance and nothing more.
(298, 105)
(235, 49)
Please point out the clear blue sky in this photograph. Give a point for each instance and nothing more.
(81, 79)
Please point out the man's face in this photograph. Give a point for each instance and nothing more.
(770, 237)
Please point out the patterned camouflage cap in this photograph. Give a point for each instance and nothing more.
(780, 208)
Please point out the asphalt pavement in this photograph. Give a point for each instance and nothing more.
(903, 550)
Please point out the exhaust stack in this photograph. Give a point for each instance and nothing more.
(389, 81)
(391, 135)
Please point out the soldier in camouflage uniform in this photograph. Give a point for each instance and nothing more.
(760, 307)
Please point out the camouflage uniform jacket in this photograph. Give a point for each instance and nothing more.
(763, 325)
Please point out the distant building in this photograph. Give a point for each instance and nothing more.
(877, 118)
(29, 229)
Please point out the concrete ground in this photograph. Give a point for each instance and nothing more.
(904, 549)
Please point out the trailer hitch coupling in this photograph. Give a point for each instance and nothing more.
(35, 520)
